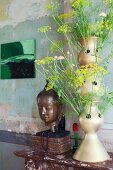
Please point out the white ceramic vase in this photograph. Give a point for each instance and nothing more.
(91, 149)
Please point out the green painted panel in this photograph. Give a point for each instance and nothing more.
(17, 60)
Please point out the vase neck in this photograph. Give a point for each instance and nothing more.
(91, 107)
(89, 42)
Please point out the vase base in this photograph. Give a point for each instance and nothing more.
(91, 150)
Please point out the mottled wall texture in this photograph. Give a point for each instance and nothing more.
(19, 21)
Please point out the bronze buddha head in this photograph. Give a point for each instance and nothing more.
(49, 107)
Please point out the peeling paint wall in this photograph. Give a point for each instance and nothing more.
(13, 12)
(20, 20)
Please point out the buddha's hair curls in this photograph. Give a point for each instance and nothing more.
(49, 93)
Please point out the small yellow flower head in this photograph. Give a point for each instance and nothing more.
(64, 28)
(44, 29)
(46, 60)
(79, 3)
(89, 72)
(40, 62)
(50, 6)
(49, 86)
(110, 2)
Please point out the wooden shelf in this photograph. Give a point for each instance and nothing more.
(37, 160)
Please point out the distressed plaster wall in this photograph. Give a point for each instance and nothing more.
(20, 20)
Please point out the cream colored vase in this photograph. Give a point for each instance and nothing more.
(91, 149)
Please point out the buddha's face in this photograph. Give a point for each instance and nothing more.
(48, 109)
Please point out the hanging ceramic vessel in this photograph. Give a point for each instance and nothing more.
(88, 51)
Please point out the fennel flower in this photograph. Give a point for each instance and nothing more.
(102, 14)
(59, 57)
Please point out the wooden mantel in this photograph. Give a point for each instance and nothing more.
(43, 161)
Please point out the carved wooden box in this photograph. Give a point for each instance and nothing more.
(57, 142)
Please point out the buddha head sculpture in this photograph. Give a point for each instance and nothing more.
(49, 108)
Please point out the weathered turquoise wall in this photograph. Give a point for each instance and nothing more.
(20, 20)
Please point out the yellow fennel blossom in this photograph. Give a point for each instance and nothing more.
(64, 28)
(79, 3)
(72, 78)
(46, 60)
(89, 72)
(53, 6)
(44, 29)
(50, 6)
(49, 86)
(79, 81)
(95, 68)
(51, 82)
(110, 2)
(108, 26)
